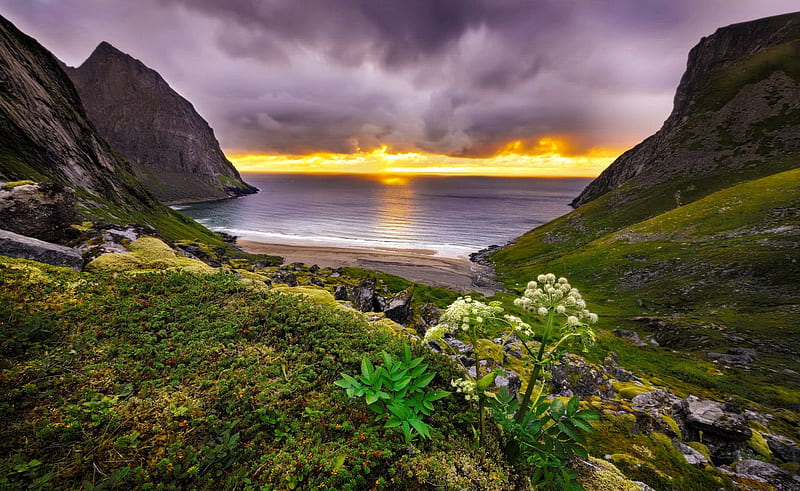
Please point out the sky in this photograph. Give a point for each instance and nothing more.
(491, 87)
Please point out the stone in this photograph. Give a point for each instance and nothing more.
(459, 346)
(691, 455)
(783, 448)
(572, 375)
(340, 292)
(510, 381)
(20, 246)
(735, 356)
(713, 418)
(317, 282)
(43, 211)
(768, 473)
(363, 296)
(398, 307)
(430, 314)
(630, 336)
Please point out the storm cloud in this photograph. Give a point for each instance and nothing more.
(458, 77)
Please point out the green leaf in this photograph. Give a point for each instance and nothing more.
(588, 415)
(557, 408)
(571, 432)
(392, 423)
(367, 368)
(402, 383)
(424, 380)
(573, 405)
(420, 426)
(435, 395)
(582, 425)
(416, 372)
(406, 354)
(372, 398)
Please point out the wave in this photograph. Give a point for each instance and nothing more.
(442, 249)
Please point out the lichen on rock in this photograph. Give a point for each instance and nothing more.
(147, 254)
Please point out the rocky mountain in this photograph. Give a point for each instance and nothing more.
(738, 103)
(173, 150)
(46, 136)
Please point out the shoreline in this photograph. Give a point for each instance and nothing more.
(418, 265)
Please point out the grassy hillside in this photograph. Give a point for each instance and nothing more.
(204, 381)
(719, 272)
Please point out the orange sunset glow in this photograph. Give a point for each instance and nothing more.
(547, 157)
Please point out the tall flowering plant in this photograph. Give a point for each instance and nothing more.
(472, 318)
(554, 300)
(566, 318)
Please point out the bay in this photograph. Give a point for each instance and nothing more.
(452, 216)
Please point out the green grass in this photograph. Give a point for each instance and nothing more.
(178, 380)
(724, 265)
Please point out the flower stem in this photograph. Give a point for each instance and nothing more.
(526, 399)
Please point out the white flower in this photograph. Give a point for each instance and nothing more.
(551, 278)
(479, 320)
(541, 278)
(543, 311)
(562, 280)
(561, 309)
(532, 285)
(572, 320)
(592, 317)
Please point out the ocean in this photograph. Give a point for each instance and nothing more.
(452, 216)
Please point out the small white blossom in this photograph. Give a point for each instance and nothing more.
(561, 309)
(543, 311)
(572, 320)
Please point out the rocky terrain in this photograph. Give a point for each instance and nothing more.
(172, 149)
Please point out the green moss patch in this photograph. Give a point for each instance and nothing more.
(147, 254)
(13, 184)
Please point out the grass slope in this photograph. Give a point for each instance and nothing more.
(719, 272)
(175, 380)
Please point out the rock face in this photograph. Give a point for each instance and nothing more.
(172, 148)
(15, 245)
(739, 86)
(44, 131)
(45, 135)
(44, 211)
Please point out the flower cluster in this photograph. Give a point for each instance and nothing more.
(464, 314)
(466, 387)
(546, 295)
(518, 325)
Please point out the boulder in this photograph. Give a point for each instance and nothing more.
(43, 211)
(363, 296)
(15, 245)
(340, 292)
(398, 307)
(779, 479)
(630, 336)
(734, 356)
(721, 427)
(510, 381)
(783, 448)
(691, 455)
(572, 375)
(713, 418)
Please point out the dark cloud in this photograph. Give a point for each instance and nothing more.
(461, 77)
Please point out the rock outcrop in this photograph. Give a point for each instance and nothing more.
(173, 150)
(44, 211)
(739, 84)
(21, 246)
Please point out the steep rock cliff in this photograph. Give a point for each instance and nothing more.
(46, 136)
(172, 148)
(738, 104)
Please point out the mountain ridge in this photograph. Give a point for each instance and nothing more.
(173, 150)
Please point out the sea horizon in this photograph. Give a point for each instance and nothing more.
(451, 216)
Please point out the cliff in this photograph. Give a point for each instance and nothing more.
(737, 104)
(173, 150)
(46, 136)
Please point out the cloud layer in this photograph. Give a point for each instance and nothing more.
(458, 77)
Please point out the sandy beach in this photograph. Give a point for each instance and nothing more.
(418, 265)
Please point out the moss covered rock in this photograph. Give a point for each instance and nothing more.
(147, 254)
